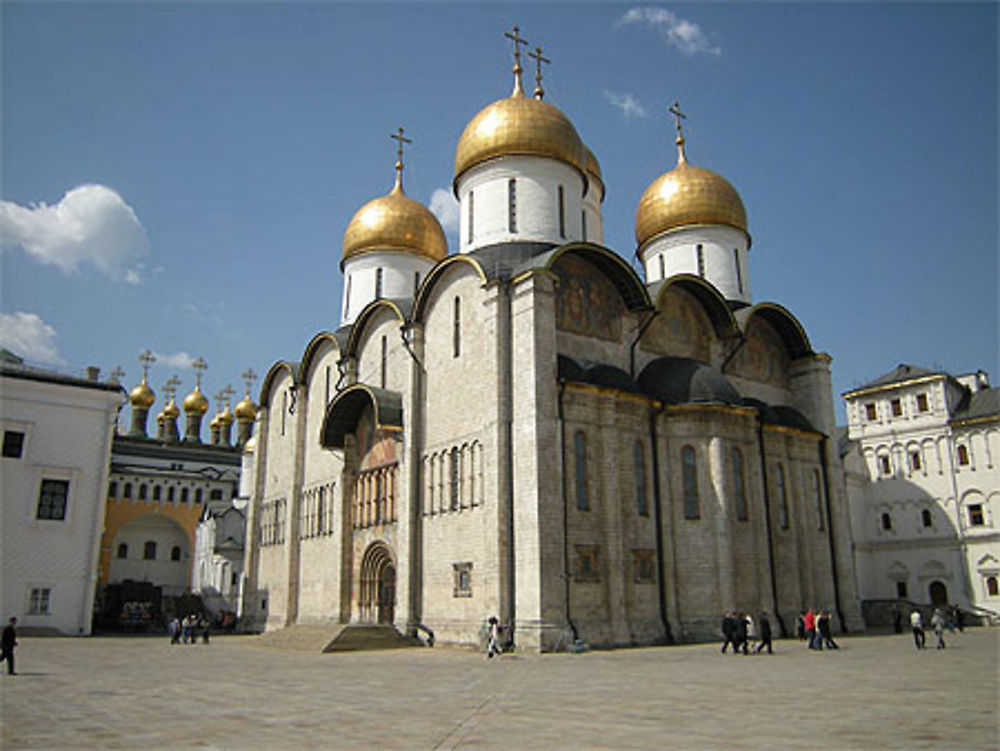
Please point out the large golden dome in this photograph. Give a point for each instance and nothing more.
(688, 195)
(519, 125)
(195, 403)
(142, 395)
(395, 222)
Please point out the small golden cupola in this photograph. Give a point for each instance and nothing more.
(245, 411)
(516, 151)
(195, 405)
(692, 220)
(142, 397)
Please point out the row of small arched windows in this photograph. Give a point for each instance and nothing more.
(149, 551)
(157, 492)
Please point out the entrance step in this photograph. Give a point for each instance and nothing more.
(342, 637)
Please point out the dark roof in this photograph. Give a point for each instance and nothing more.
(979, 404)
(124, 446)
(780, 414)
(499, 261)
(343, 412)
(681, 380)
(899, 374)
(13, 367)
(596, 374)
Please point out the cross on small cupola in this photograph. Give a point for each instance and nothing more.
(515, 36)
(675, 110)
(146, 358)
(400, 140)
(537, 56)
(199, 366)
(249, 376)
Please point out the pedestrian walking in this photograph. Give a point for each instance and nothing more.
(728, 632)
(7, 643)
(764, 626)
(740, 641)
(809, 623)
(800, 626)
(825, 632)
(205, 628)
(493, 648)
(174, 627)
(937, 623)
(917, 626)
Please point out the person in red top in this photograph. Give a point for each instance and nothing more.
(810, 624)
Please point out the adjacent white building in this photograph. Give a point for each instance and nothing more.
(924, 486)
(57, 433)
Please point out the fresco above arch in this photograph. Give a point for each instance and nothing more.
(682, 328)
(763, 357)
(374, 447)
(587, 302)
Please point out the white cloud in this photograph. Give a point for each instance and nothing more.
(176, 360)
(91, 224)
(28, 336)
(628, 104)
(445, 207)
(685, 35)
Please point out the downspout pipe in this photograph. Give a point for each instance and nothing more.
(565, 498)
(824, 441)
(767, 526)
(635, 342)
(655, 412)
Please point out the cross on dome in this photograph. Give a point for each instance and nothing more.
(518, 41)
(170, 387)
(199, 366)
(249, 378)
(146, 358)
(537, 56)
(400, 139)
(675, 110)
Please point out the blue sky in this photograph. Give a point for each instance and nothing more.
(178, 176)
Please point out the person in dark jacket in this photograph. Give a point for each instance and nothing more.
(7, 643)
(741, 641)
(824, 632)
(765, 634)
(728, 632)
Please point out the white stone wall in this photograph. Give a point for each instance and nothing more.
(593, 231)
(724, 253)
(399, 272)
(161, 569)
(537, 204)
(68, 432)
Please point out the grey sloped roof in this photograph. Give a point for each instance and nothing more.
(985, 403)
(681, 380)
(501, 260)
(596, 374)
(899, 374)
(780, 414)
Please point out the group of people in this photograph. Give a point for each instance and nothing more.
(938, 623)
(741, 631)
(813, 627)
(188, 629)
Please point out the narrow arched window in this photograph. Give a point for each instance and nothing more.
(663, 267)
(113, 490)
(382, 360)
(149, 550)
(123, 550)
(471, 215)
(739, 486)
(701, 260)
(689, 475)
(562, 212)
(580, 465)
(456, 477)
(641, 505)
(157, 492)
(512, 205)
(128, 490)
(416, 282)
(886, 521)
(457, 328)
(818, 494)
(583, 224)
(992, 589)
(175, 553)
(925, 518)
(963, 456)
(320, 511)
(170, 494)
(347, 297)
(782, 499)
(143, 490)
(739, 270)
(197, 495)
(184, 495)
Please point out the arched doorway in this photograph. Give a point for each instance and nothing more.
(938, 593)
(377, 596)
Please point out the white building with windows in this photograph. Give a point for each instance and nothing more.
(526, 427)
(57, 433)
(923, 477)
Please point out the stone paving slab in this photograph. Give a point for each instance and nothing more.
(876, 692)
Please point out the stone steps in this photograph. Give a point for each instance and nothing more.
(343, 637)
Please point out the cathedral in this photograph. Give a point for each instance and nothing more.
(524, 427)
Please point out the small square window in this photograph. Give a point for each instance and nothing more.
(871, 413)
(52, 499)
(897, 407)
(588, 563)
(922, 403)
(462, 579)
(644, 566)
(976, 518)
(39, 603)
(901, 592)
(13, 444)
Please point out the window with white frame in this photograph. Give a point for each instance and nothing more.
(52, 498)
(38, 603)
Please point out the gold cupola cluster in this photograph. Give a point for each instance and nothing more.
(395, 222)
(687, 196)
(519, 125)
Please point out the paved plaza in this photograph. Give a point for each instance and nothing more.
(876, 692)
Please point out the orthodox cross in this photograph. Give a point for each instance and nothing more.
(226, 395)
(675, 110)
(199, 366)
(146, 358)
(539, 59)
(170, 387)
(117, 374)
(249, 378)
(516, 38)
(400, 139)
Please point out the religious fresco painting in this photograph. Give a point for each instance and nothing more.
(587, 302)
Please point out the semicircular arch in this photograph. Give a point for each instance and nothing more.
(435, 277)
(273, 373)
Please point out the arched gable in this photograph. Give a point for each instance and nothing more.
(691, 315)
(790, 331)
(345, 409)
(430, 282)
(267, 385)
(313, 348)
(712, 302)
(399, 308)
(610, 264)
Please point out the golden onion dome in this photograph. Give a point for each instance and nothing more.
(686, 196)
(594, 169)
(216, 421)
(246, 410)
(195, 403)
(142, 396)
(395, 222)
(522, 126)
(226, 417)
(171, 411)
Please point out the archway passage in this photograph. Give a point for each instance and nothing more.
(377, 596)
(938, 593)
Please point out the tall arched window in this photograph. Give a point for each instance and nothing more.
(347, 297)
(382, 360)
(175, 553)
(457, 328)
(512, 205)
(157, 491)
(149, 550)
(689, 474)
(739, 486)
(782, 499)
(471, 215)
(818, 493)
(701, 260)
(128, 490)
(641, 505)
(992, 589)
(580, 463)
(925, 518)
(170, 494)
(886, 521)
(184, 495)
(963, 455)
(123, 550)
(378, 283)
(143, 490)
(456, 477)
(739, 271)
(663, 266)
(113, 490)
(562, 212)
(416, 282)
(583, 224)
